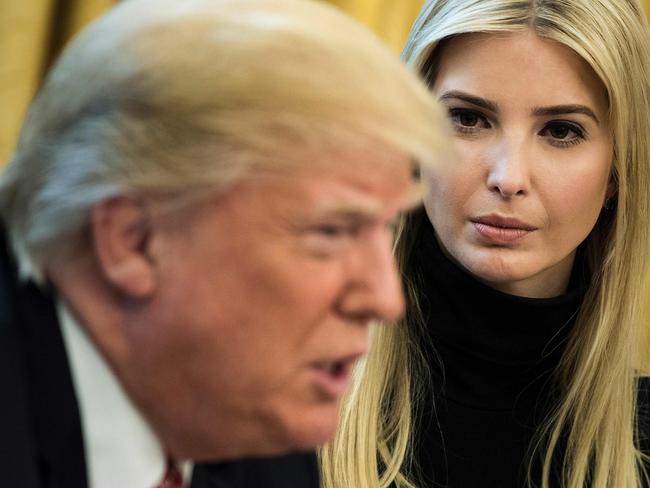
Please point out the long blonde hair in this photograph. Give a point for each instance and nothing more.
(598, 373)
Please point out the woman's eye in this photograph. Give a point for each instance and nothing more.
(559, 132)
(466, 120)
(563, 133)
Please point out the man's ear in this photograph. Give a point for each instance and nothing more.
(120, 231)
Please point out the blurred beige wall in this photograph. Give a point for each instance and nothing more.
(32, 33)
(391, 19)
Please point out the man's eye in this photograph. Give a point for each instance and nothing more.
(328, 240)
(335, 230)
(466, 120)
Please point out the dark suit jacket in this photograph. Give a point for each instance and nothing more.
(41, 443)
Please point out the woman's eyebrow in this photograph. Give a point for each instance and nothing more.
(466, 97)
(566, 109)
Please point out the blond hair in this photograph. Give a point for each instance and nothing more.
(597, 413)
(183, 97)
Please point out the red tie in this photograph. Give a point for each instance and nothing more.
(173, 478)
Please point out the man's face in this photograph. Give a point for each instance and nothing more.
(263, 305)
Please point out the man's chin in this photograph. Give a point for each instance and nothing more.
(275, 435)
(312, 429)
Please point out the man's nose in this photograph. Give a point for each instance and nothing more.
(509, 169)
(375, 292)
(388, 294)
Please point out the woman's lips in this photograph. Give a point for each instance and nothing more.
(497, 229)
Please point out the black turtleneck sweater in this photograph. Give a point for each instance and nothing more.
(492, 358)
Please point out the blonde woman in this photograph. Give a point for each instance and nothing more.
(516, 362)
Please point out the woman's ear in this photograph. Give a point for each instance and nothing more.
(120, 230)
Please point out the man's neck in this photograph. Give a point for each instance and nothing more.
(121, 449)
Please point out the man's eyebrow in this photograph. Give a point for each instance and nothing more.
(366, 208)
(358, 210)
(566, 109)
(466, 97)
(359, 214)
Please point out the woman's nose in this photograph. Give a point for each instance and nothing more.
(509, 170)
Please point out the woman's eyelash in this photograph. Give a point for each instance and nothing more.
(563, 133)
(468, 120)
(560, 133)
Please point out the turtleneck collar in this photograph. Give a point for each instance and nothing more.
(490, 349)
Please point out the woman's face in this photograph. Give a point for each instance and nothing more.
(530, 123)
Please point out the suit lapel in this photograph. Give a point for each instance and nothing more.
(44, 441)
(57, 423)
(17, 442)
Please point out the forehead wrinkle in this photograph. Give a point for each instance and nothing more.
(368, 207)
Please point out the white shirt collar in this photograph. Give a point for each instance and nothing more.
(120, 447)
